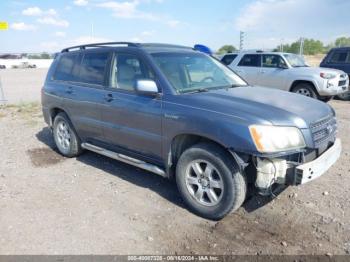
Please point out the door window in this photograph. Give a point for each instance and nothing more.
(340, 57)
(93, 68)
(273, 61)
(228, 59)
(250, 60)
(126, 70)
(66, 68)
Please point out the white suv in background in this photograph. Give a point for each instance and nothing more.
(287, 72)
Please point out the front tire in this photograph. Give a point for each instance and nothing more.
(209, 181)
(305, 89)
(66, 139)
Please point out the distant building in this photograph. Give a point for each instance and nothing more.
(11, 56)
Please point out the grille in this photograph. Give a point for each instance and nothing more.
(324, 130)
(341, 83)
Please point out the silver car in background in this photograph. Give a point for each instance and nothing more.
(288, 72)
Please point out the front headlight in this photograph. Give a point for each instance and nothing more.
(328, 75)
(270, 139)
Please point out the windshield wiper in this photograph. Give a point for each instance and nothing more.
(199, 90)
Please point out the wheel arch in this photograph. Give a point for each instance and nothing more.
(303, 81)
(181, 142)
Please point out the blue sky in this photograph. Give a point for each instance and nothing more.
(37, 26)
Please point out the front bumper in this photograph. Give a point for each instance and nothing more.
(336, 86)
(309, 171)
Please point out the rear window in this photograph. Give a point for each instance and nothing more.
(93, 68)
(228, 59)
(66, 69)
(250, 60)
(340, 57)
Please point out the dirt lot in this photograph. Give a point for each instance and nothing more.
(95, 205)
(22, 85)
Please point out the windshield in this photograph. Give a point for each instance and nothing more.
(295, 60)
(191, 72)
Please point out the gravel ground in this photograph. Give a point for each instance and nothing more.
(95, 205)
(22, 85)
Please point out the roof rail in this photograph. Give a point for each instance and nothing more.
(164, 45)
(106, 44)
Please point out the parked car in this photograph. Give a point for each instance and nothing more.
(2, 67)
(338, 58)
(288, 72)
(24, 65)
(182, 114)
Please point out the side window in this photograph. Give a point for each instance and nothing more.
(126, 70)
(272, 61)
(66, 68)
(250, 60)
(339, 57)
(93, 67)
(228, 59)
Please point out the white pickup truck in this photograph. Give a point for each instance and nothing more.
(288, 72)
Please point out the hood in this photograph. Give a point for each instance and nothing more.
(259, 105)
(315, 70)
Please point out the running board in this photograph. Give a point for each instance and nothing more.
(125, 159)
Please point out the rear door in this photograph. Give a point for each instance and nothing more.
(272, 73)
(84, 77)
(132, 121)
(248, 68)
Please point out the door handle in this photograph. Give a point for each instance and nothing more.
(69, 90)
(109, 98)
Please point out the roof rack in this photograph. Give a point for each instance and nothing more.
(164, 45)
(130, 44)
(106, 44)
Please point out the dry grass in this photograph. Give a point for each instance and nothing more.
(314, 60)
(30, 112)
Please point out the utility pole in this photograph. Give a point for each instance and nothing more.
(2, 95)
(301, 46)
(92, 31)
(241, 40)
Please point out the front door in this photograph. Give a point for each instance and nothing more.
(132, 121)
(273, 72)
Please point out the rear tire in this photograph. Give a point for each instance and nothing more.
(344, 97)
(66, 139)
(209, 181)
(306, 90)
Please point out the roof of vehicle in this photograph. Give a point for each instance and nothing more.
(341, 48)
(256, 51)
(148, 47)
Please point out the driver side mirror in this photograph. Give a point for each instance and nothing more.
(146, 87)
(283, 66)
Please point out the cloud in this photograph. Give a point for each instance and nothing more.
(60, 34)
(148, 33)
(37, 11)
(291, 19)
(127, 10)
(53, 21)
(88, 40)
(50, 46)
(80, 2)
(173, 23)
(23, 27)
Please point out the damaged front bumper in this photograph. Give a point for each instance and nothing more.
(272, 171)
(309, 171)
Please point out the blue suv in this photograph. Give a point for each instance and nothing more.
(182, 114)
(338, 58)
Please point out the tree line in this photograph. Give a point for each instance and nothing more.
(311, 46)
